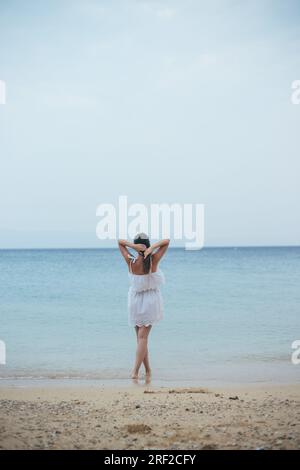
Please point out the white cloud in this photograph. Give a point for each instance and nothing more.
(180, 69)
(66, 100)
(166, 13)
(91, 9)
(206, 60)
(158, 9)
(97, 48)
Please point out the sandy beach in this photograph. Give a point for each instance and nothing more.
(145, 417)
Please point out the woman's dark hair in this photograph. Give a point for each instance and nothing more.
(142, 238)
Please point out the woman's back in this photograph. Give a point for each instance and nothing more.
(136, 266)
(139, 281)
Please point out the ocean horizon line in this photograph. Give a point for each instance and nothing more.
(116, 247)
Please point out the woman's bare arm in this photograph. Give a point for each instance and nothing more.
(162, 246)
(124, 244)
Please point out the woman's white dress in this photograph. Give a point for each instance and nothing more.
(145, 304)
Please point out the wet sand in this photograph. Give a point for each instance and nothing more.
(145, 417)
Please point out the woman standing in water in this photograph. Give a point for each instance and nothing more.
(145, 305)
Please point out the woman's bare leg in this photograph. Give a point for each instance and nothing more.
(142, 347)
(146, 358)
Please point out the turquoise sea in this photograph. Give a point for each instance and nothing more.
(231, 315)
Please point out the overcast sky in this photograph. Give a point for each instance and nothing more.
(163, 101)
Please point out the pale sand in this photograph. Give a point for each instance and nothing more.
(140, 417)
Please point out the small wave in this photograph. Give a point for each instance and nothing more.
(31, 375)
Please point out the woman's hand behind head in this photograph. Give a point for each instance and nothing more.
(148, 251)
(139, 247)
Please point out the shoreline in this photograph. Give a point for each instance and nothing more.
(208, 375)
(149, 417)
(123, 383)
(82, 382)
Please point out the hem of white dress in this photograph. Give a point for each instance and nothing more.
(145, 324)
